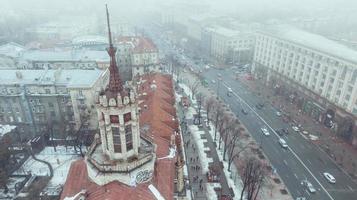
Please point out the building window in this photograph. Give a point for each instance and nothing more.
(116, 139)
(47, 91)
(128, 137)
(50, 104)
(114, 119)
(53, 114)
(127, 117)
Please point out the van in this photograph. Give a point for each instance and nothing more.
(283, 143)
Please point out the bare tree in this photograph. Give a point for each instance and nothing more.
(232, 154)
(199, 108)
(218, 115)
(234, 130)
(252, 178)
(226, 128)
(208, 105)
(194, 87)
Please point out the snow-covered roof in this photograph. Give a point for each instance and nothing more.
(226, 31)
(11, 49)
(90, 38)
(6, 129)
(65, 55)
(70, 78)
(313, 41)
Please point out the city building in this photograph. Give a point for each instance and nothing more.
(37, 101)
(136, 55)
(137, 154)
(315, 72)
(229, 45)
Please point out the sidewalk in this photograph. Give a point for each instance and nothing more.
(338, 150)
(274, 186)
(201, 155)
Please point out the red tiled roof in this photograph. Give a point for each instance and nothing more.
(140, 44)
(158, 116)
(78, 179)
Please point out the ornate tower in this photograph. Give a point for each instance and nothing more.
(119, 151)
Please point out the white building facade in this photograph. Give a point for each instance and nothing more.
(319, 68)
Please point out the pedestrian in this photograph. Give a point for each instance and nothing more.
(197, 158)
(191, 159)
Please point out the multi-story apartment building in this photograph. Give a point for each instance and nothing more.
(49, 101)
(136, 55)
(228, 45)
(319, 74)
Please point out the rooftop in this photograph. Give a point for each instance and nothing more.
(11, 49)
(226, 31)
(6, 129)
(313, 41)
(156, 121)
(70, 78)
(90, 38)
(140, 44)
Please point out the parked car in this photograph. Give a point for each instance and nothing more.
(295, 128)
(285, 130)
(329, 177)
(265, 131)
(278, 113)
(300, 198)
(308, 186)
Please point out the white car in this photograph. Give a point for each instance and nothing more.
(329, 177)
(295, 128)
(283, 143)
(308, 186)
(278, 113)
(265, 131)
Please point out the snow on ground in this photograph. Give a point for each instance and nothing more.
(236, 187)
(186, 89)
(211, 193)
(190, 112)
(200, 147)
(60, 161)
(11, 185)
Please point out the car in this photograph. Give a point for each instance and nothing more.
(279, 132)
(278, 113)
(213, 81)
(265, 131)
(305, 132)
(285, 130)
(258, 107)
(282, 142)
(329, 177)
(229, 92)
(244, 112)
(300, 198)
(295, 128)
(308, 186)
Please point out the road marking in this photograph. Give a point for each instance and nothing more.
(296, 176)
(350, 187)
(297, 157)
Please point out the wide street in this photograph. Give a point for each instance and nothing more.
(301, 161)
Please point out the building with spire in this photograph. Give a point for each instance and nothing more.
(137, 153)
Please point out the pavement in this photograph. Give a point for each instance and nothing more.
(271, 189)
(200, 148)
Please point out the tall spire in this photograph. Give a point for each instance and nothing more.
(115, 84)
